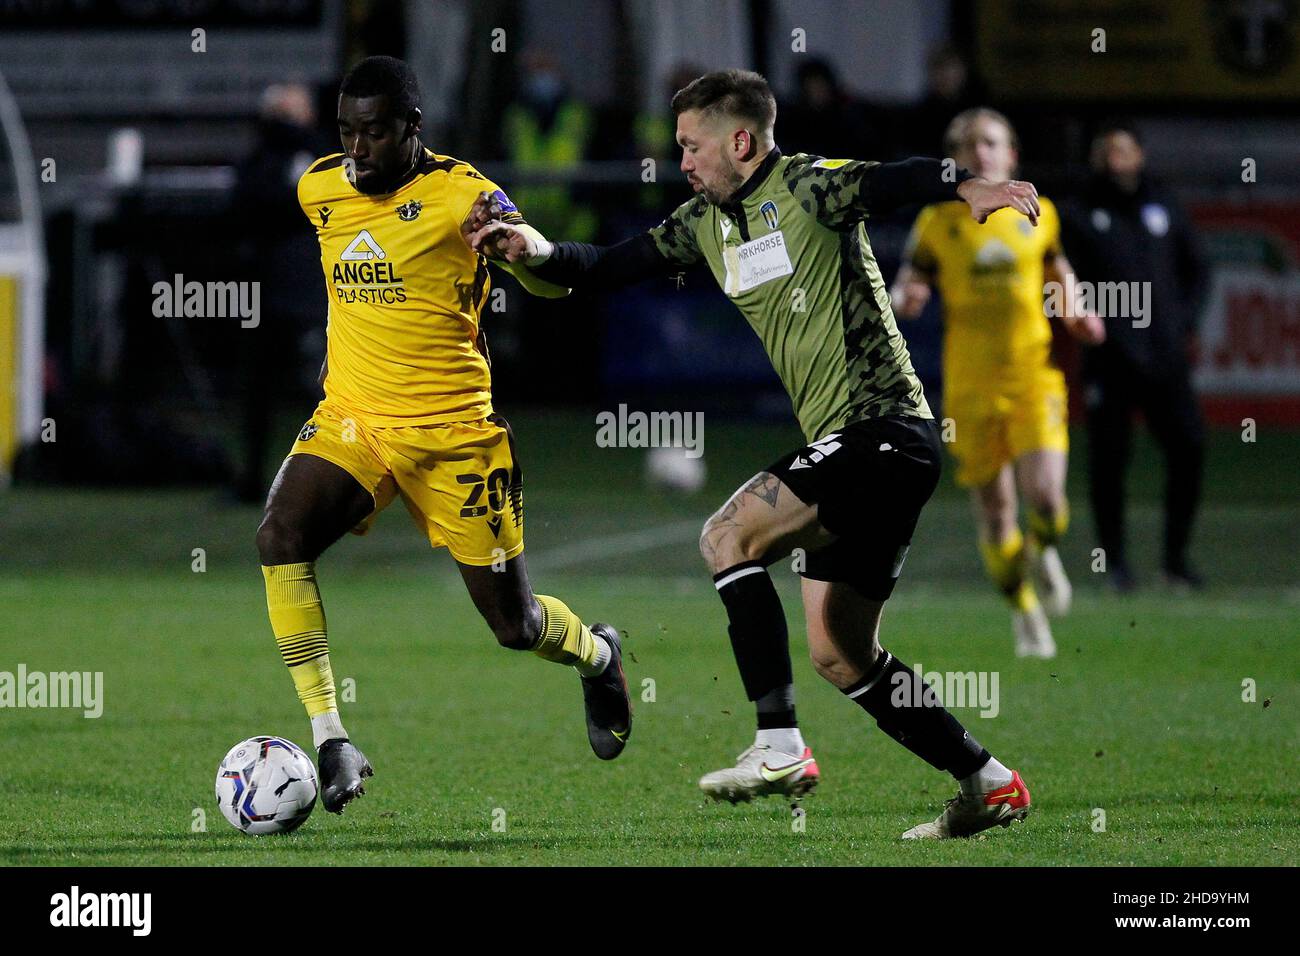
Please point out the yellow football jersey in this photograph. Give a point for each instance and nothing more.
(405, 293)
(990, 277)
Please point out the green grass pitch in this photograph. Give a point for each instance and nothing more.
(1140, 717)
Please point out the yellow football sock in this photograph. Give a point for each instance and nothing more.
(298, 622)
(1005, 563)
(565, 639)
(1025, 598)
(1047, 529)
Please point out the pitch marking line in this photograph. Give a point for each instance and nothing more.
(590, 550)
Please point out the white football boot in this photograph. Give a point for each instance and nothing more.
(1054, 588)
(967, 814)
(1033, 633)
(762, 771)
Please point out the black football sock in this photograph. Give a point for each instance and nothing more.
(759, 640)
(906, 708)
(776, 708)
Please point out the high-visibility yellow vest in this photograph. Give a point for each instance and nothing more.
(551, 208)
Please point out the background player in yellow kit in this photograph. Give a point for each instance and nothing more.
(408, 413)
(1006, 399)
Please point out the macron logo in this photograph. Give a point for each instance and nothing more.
(103, 909)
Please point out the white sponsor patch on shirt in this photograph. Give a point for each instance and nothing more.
(752, 263)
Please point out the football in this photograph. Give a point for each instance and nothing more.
(674, 471)
(266, 785)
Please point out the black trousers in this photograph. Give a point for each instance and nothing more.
(1115, 389)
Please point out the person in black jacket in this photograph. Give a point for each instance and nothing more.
(1125, 229)
(281, 253)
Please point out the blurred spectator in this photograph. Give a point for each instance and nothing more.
(950, 89)
(549, 131)
(281, 253)
(656, 128)
(546, 131)
(655, 135)
(826, 120)
(1124, 228)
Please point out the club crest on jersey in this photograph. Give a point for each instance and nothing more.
(768, 209)
(410, 210)
(308, 431)
(363, 248)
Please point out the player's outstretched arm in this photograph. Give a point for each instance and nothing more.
(509, 245)
(842, 192)
(522, 249)
(986, 197)
(485, 232)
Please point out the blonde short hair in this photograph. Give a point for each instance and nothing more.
(961, 123)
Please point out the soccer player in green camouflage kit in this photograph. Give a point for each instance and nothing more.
(785, 238)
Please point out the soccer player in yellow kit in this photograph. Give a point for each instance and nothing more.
(408, 413)
(1006, 399)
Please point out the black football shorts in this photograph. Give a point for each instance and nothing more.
(869, 481)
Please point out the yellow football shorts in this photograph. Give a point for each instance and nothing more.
(995, 422)
(460, 481)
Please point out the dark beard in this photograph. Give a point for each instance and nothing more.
(734, 180)
(379, 186)
(372, 188)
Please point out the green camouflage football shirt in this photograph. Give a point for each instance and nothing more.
(791, 251)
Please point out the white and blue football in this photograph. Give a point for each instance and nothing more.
(266, 785)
